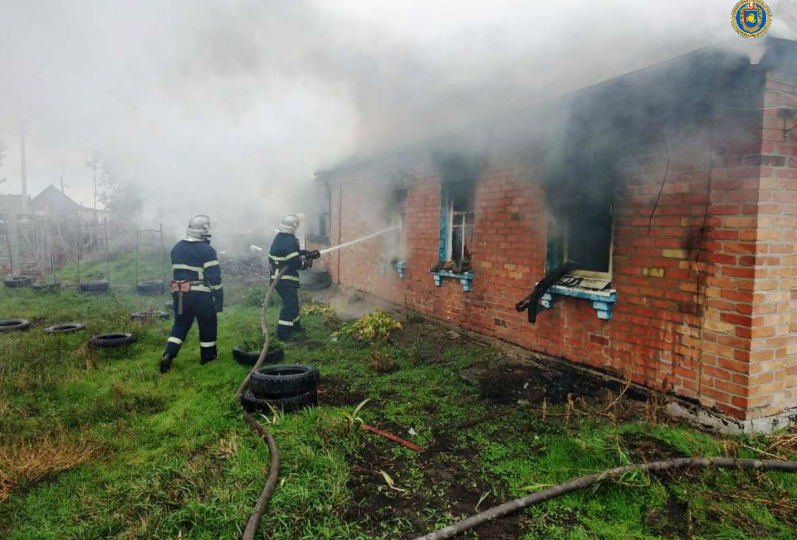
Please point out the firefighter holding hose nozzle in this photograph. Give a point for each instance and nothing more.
(197, 292)
(285, 252)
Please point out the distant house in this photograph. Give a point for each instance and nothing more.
(53, 202)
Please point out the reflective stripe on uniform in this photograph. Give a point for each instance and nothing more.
(198, 269)
(297, 318)
(175, 340)
(216, 287)
(211, 263)
(286, 323)
(200, 288)
(285, 258)
(207, 343)
(292, 278)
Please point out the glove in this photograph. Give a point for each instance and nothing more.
(219, 307)
(310, 255)
(308, 263)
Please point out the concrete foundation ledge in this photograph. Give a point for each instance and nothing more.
(716, 421)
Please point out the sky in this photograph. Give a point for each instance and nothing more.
(227, 107)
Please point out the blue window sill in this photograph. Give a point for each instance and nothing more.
(602, 301)
(465, 279)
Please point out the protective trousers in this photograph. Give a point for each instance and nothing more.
(289, 314)
(196, 305)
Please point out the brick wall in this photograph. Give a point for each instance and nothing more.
(772, 374)
(705, 305)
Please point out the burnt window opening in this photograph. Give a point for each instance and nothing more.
(588, 240)
(323, 218)
(320, 224)
(458, 225)
(584, 233)
(461, 226)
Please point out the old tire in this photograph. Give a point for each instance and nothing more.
(284, 380)
(47, 286)
(314, 279)
(65, 328)
(18, 281)
(11, 325)
(252, 403)
(112, 340)
(147, 315)
(150, 287)
(246, 358)
(98, 286)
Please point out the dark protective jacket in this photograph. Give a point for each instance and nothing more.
(285, 252)
(197, 262)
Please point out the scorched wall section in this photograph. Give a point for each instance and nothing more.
(684, 298)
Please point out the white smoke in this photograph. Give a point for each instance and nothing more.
(228, 107)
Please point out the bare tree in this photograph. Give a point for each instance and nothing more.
(121, 198)
(100, 173)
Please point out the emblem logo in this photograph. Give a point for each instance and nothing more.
(751, 19)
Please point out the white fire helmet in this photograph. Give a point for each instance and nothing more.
(198, 229)
(289, 224)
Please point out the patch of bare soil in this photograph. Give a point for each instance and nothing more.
(449, 484)
(671, 522)
(426, 340)
(646, 449)
(505, 381)
(337, 392)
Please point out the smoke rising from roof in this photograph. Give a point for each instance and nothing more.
(228, 107)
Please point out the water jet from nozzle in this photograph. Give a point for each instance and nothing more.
(363, 239)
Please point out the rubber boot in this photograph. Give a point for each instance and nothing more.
(203, 361)
(166, 363)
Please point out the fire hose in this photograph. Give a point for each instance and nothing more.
(589, 480)
(273, 470)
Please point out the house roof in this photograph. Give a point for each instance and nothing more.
(52, 199)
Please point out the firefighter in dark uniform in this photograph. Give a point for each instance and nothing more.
(285, 252)
(197, 292)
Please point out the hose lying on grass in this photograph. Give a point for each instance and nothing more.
(587, 481)
(274, 469)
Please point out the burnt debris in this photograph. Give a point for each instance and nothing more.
(532, 301)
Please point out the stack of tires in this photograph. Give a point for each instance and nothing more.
(286, 387)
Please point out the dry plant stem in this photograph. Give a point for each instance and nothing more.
(273, 470)
(587, 481)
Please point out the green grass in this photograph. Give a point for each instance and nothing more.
(173, 458)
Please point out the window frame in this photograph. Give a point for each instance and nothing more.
(591, 273)
(449, 249)
(322, 214)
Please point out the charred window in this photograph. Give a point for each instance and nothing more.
(583, 233)
(319, 224)
(460, 223)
